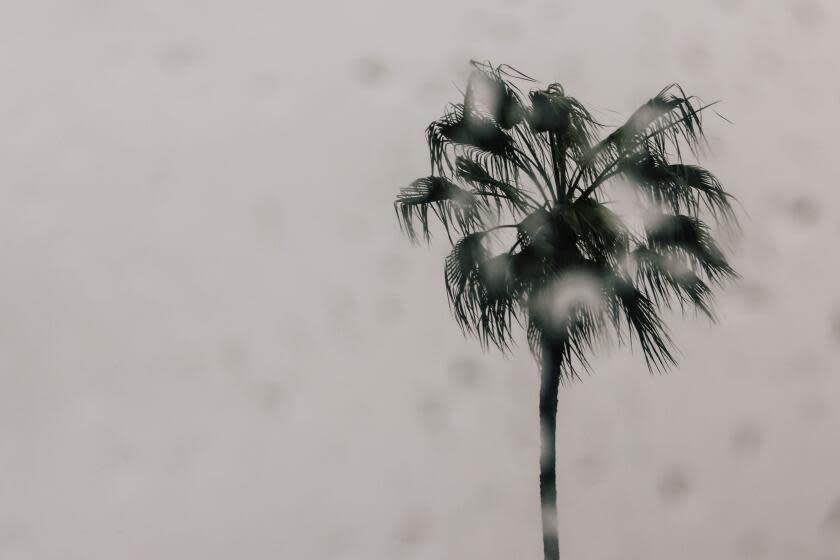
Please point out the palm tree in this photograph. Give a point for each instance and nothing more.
(522, 182)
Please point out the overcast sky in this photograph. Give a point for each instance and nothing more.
(215, 343)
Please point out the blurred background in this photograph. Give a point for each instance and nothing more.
(215, 343)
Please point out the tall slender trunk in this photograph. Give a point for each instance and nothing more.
(549, 384)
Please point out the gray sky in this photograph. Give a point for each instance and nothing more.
(214, 342)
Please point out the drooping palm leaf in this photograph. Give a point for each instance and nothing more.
(481, 290)
(463, 282)
(452, 205)
(668, 279)
(678, 187)
(631, 306)
(689, 236)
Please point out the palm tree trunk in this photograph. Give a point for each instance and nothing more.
(549, 384)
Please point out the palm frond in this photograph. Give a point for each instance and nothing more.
(602, 234)
(551, 234)
(516, 199)
(566, 317)
(565, 117)
(570, 347)
(688, 235)
(665, 124)
(453, 206)
(463, 283)
(480, 291)
(476, 134)
(488, 93)
(668, 279)
(667, 117)
(677, 187)
(630, 307)
(499, 302)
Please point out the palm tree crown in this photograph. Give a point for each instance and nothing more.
(521, 179)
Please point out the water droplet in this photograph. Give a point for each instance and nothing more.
(835, 325)
(389, 310)
(590, 469)
(808, 14)
(394, 268)
(804, 211)
(465, 372)
(674, 485)
(370, 70)
(178, 58)
(752, 545)
(746, 440)
(414, 528)
(832, 520)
